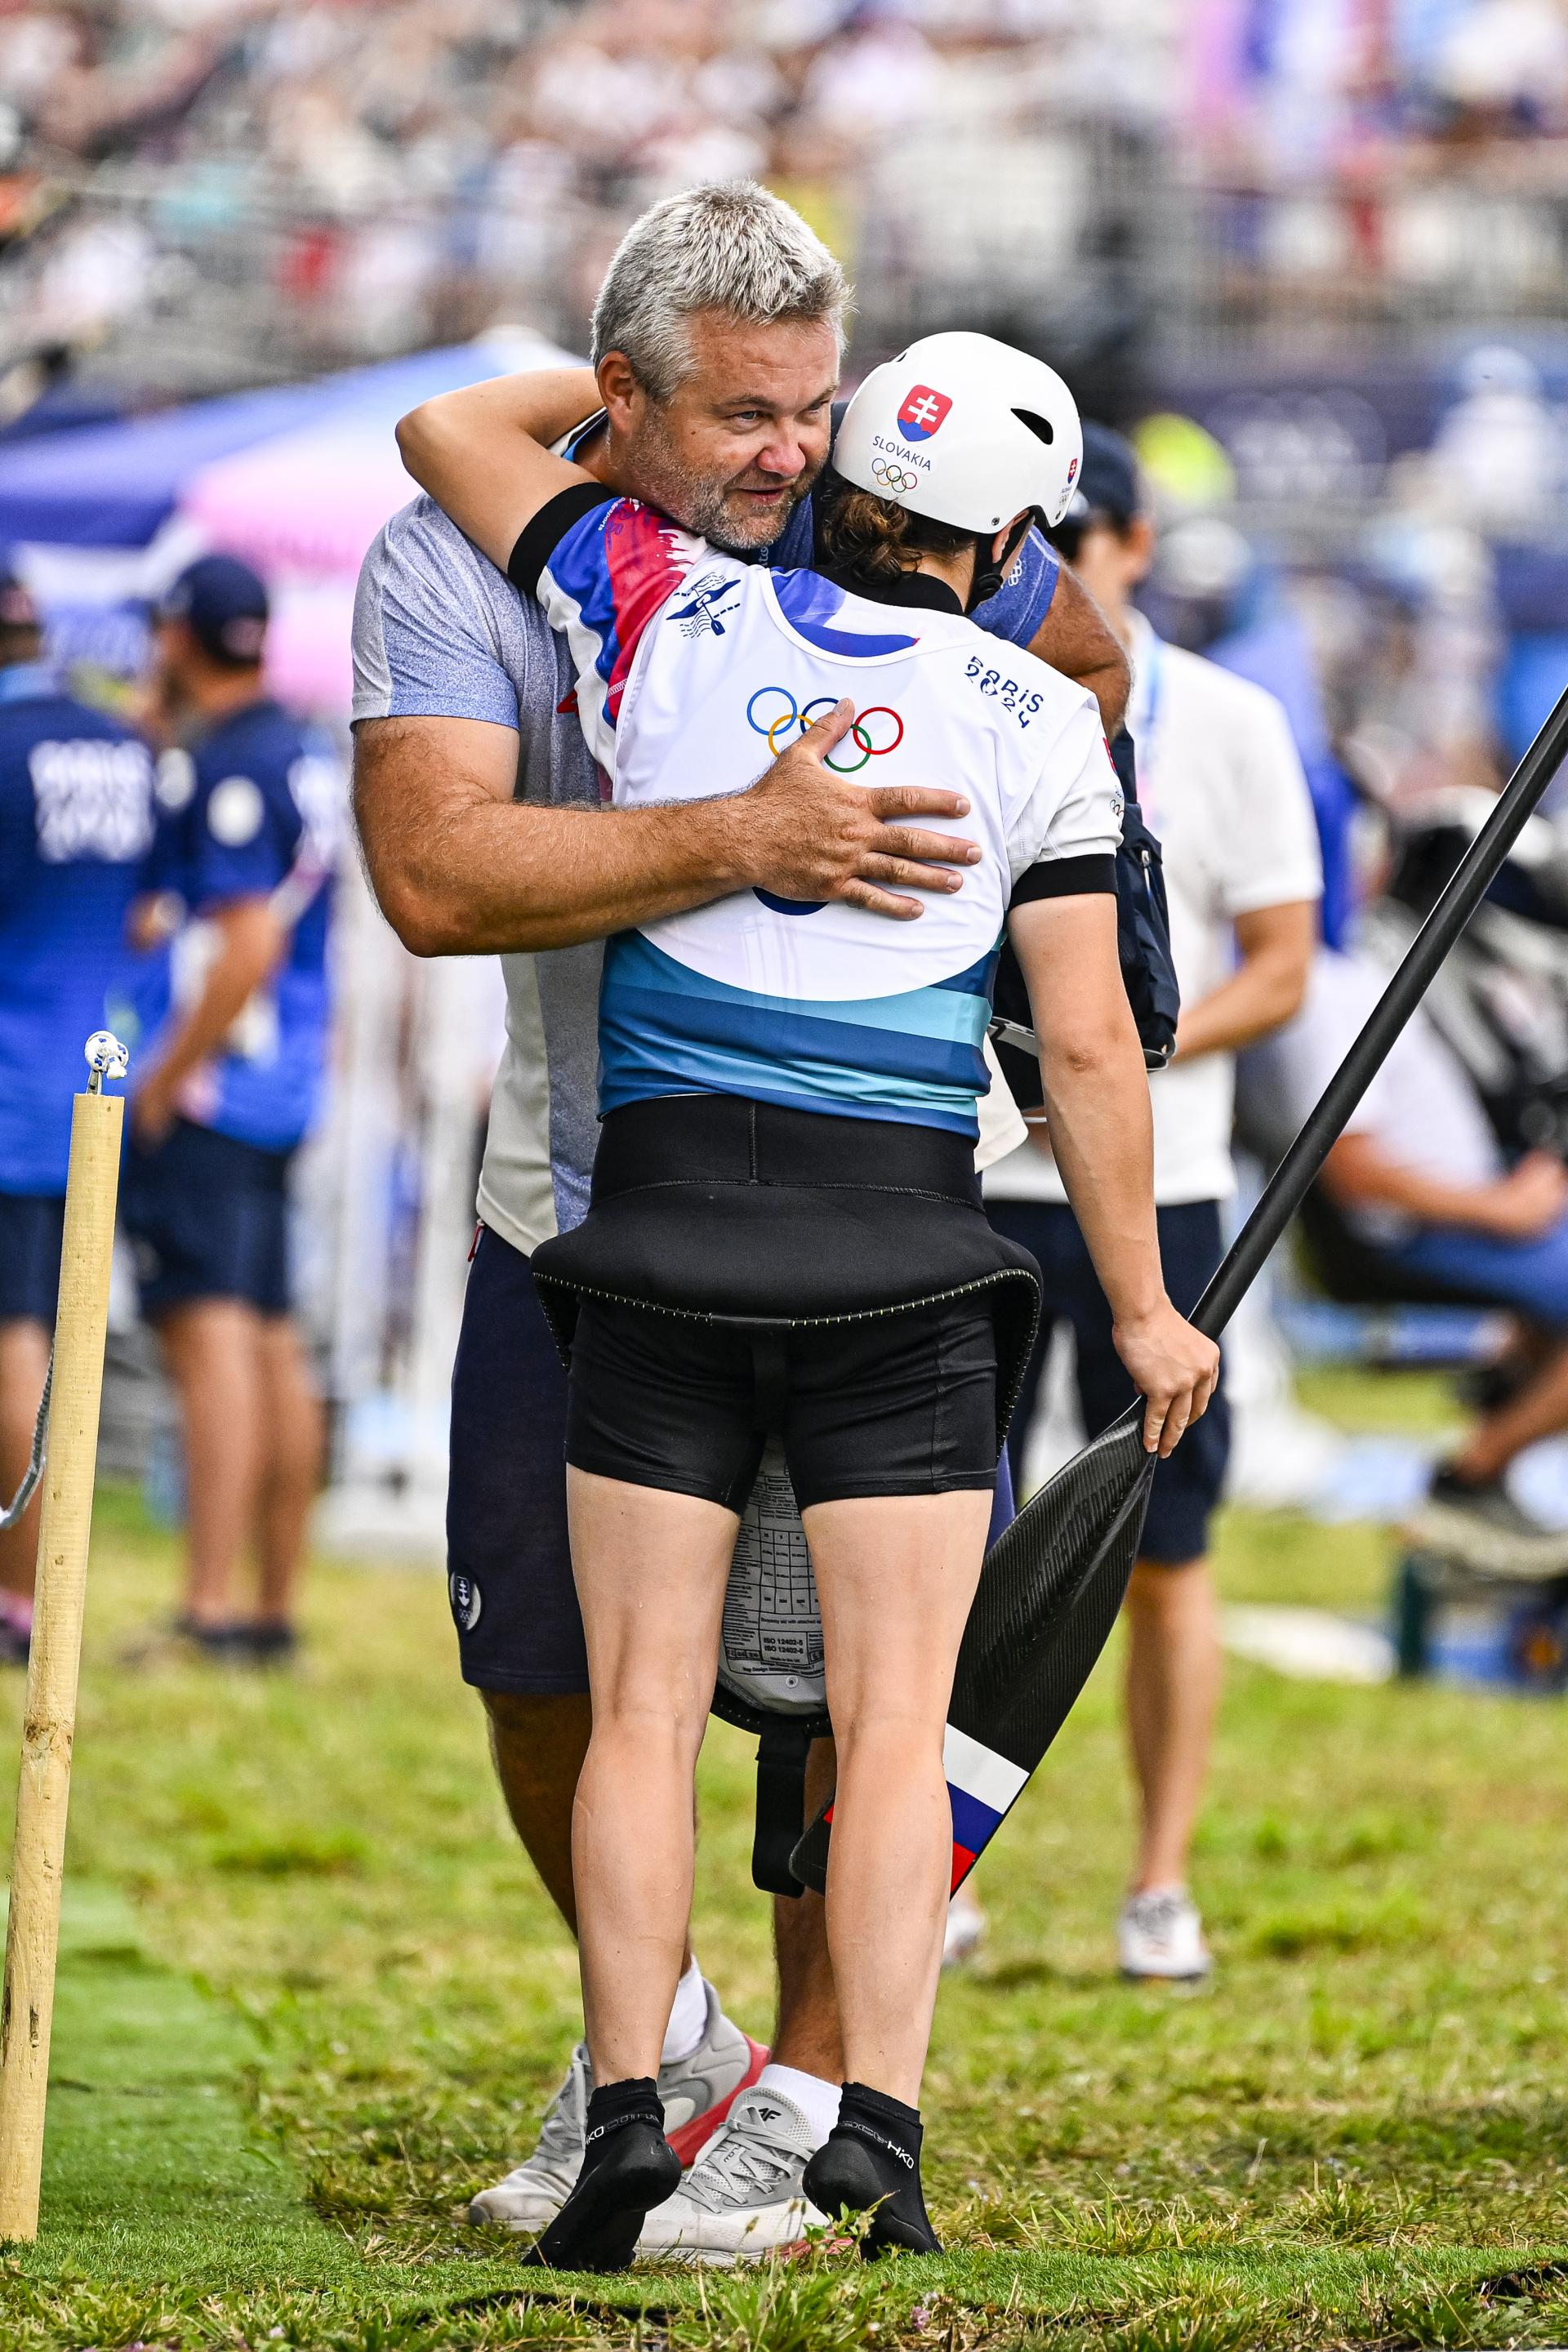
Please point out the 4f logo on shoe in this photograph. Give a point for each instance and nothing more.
(923, 411)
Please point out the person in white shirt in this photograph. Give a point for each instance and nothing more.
(1419, 1180)
(1223, 789)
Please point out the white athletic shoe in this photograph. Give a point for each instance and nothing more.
(965, 1929)
(1161, 1935)
(742, 2198)
(698, 2093)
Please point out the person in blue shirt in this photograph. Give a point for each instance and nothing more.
(234, 1010)
(75, 802)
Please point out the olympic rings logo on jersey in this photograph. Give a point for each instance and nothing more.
(861, 734)
(892, 478)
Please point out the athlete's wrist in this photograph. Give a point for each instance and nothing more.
(1140, 1317)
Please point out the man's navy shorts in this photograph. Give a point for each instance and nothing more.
(31, 1227)
(508, 1560)
(1187, 1486)
(208, 1218)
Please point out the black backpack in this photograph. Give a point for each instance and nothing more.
(1143, 946)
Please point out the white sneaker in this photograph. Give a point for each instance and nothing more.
(698, 2093)
(1161, 1935)
(965, 1929)
(742, 2198)
(533, 2192)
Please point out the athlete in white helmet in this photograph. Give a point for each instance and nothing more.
(786, 1232)
(998, 445)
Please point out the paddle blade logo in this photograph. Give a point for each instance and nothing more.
(922, 413)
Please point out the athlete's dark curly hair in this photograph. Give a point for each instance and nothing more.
(876, 539)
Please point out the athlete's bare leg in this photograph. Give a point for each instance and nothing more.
(539, 1741)
(292, 1465)
(24, 1361)
(1174, 1671)
(896, 1578)
(650, 1570)
(213, 1351)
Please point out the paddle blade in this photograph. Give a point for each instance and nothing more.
(1049, 1595)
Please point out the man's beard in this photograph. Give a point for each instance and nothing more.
(714, 510)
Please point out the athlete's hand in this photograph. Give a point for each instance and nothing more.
(804, 832)
(1173, 1366)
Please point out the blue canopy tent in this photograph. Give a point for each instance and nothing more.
(115, 484)
(104, 516)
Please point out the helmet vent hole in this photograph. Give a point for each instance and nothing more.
(1040, 426)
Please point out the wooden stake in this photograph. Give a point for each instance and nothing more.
(38, 1855)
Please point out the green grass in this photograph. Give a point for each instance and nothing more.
(311, 1998)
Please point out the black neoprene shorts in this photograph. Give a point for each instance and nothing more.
(894, 1403)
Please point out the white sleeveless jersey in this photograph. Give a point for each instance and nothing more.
(693, 669)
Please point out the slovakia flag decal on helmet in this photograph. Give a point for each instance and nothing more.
(923, 411)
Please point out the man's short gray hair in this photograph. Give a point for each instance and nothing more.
(731, 247)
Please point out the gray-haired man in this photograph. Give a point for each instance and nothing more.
(717, 340)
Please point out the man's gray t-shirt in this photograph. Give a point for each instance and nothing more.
(440, 634)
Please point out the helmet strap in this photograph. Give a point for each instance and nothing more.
(988, 578)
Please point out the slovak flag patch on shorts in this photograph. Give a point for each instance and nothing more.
(923, 411)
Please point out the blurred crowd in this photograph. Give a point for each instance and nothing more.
(1409, 607)
(227, 188)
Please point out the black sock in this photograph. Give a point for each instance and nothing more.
(629, 2167)
(871, 2162)
(612, 2108)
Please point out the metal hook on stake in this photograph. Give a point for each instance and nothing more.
(106, 1058)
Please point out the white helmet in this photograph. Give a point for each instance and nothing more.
(963, 430)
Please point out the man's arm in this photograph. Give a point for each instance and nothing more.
(1076, 638)
(1528, 1202)
(1275, 946)
(460, 867)
(1097, 1099)
(251, 946)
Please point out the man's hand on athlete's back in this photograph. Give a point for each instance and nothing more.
(804, 832)
(461, 867)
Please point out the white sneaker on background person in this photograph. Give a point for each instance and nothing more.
(697, 2092)
(1159, 1934)
(965, 1929)
(742, 2198)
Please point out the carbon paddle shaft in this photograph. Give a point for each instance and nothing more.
(1467, 886)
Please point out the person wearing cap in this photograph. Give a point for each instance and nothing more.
(1222, 788)
(233, 996)
(784, 1232)
(76, 820)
